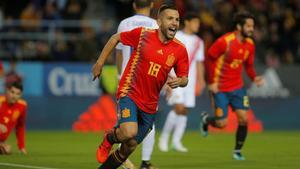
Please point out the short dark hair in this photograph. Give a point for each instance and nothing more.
(164, 7)
(241, 17)
(191, 15)
(142, 3)
(17, 85)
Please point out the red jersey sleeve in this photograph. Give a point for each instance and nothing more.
(131, 38)
(182, 65)
(20, 129)
(214, 52)
(249, 64)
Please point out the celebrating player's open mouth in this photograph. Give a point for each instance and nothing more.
(172, 31)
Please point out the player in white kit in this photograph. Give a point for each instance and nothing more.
(184, 98)
(140, 19)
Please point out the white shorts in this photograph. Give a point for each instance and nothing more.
(185, 96)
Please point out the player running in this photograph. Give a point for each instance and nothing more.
(142, 9)
(224, 65)
(155, 53)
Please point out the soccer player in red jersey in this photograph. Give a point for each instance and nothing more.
(155, 53)
(224, 66)
(12, 115)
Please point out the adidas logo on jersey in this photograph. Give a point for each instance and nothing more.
(160, 51)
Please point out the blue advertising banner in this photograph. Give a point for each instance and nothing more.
(69, 79)
(32, 75)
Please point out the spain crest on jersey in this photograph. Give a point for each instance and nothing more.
(170, 59)
(125, 113)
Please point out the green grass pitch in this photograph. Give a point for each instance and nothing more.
(68, 150)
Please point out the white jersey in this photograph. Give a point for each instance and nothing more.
(129, 24)
(195, 49)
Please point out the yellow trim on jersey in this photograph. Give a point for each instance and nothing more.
(128, 78)
(250, 41)
(229, 37)
(220, 62)
(2, 98)
(149, 29)
(178, 42)
(219, 65)
(23, 102)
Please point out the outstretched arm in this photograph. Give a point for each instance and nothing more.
(200, 77)
(108, 48)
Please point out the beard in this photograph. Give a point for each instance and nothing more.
(248, 34)
(167, 35)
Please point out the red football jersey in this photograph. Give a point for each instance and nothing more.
(12, 116)
(149, 65)
(225, 60)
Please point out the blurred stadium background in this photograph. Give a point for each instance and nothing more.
(52, 44)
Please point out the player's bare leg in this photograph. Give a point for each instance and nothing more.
(207, 120)
(218, 120)
(119, 156)
(128, 165)
(126, 131)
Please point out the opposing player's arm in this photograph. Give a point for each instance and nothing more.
(200, 69)
(119, 60)
(118, 51)
(200, 76)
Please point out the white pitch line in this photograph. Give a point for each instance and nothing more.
(24, 166)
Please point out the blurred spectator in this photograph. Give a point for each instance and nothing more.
(51, 12)
(277, 26)
(13, 8)
(12, 76)
(122, 8)
(86, 48)
(74, 11)
(62, 50)
(59, 3)
(30, 18)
